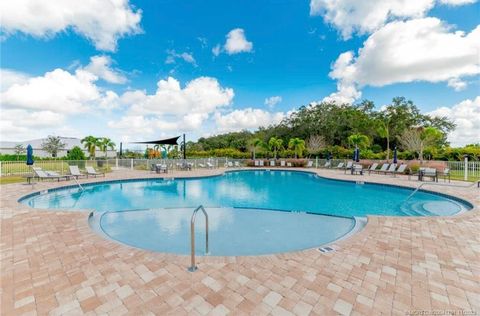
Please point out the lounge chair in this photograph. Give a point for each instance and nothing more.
(382, 169)
(237, 164)
(401, 169)
(446, 174)
(159, 168)
(272, 163)
(209, 165)
(289, 164)
(372, 168)
(340, 165)
(229, 164)
(357, 169)
(309, 164)
(349, 166)
(390, 169)
(428, 172)
(261, 163)
(75, 172)
(257, 163)
(327, 164)
(92, 172)
(42, 175)
(282, 163)
(201, 165)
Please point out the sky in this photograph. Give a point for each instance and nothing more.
(142, 70)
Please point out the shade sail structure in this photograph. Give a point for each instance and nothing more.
(167, 141)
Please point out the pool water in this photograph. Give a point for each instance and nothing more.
(279, 190)
(232, 232)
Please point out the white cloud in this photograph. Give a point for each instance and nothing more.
(57, 90)
(248, 118)
(466, 115)
(172, 55)
(101, 21)
(201, 95)
(415, 50)
(10, 77)
(216, 50)
(172, 108)
(457, 84)
(101, 67)
(32, 123)
(272, 101)
(237, 42)
(364, 17)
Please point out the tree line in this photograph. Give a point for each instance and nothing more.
(330, 130)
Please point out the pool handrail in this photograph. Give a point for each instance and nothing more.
(193, 266)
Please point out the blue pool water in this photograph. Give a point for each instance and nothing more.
(281, 190)
(250, 212)
(232, 232)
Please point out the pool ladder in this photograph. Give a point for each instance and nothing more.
(193, 267)
(443, 185)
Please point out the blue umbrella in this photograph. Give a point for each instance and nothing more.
(29, 155)
(395, 155)
(357, 155)
(329, 156)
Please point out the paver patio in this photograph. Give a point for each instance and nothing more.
(53, 263)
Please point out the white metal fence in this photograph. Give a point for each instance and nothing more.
(459, 169)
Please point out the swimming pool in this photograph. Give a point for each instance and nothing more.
(252, 211)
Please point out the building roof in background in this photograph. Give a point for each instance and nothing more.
(70, 142)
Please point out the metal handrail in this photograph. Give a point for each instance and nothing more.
(443, 185)
(78, 183)
(193, 266)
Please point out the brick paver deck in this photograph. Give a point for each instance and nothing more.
(52, 263)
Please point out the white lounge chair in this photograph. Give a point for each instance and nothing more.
(262, 163)
(391, 169)
(209, 165)
(75, 172)
(289, 164)
(340, 165)
(282, 163)
(92, 172)
(382, 169)
(237, 164)
(257, 163)
(272, 163)
(42, 175)
(309, 164)
(373, 167)
(401, 169)
(327, 164)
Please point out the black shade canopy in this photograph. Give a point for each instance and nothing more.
(168, 141)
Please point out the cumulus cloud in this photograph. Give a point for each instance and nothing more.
(272, 101)
(364, 17)
(172, 107)
(10, 77)
(415, 50)
(235, 43)
(466, 115)
(31, 123)
(172, 57)
(101, 21)
(101, 67)
(248, 118)
(201, 95)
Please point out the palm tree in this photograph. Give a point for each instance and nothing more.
(255, 143)
(275, 144)
(91, 143)
(359, 140)
(298, 145)
(52, 145)
(383, 130)
(105, 143)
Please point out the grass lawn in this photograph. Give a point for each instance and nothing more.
(12, 179)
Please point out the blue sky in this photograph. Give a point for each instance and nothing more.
(288, 50)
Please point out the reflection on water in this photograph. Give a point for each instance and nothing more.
(231, 231)
(256, 189)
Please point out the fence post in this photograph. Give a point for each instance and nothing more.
(1, 169)
(131, 164)
(465, 170)
(116, 163)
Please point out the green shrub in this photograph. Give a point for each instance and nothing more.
(76, 153)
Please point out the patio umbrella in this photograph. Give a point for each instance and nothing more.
(329, 157)
(29, 155)
(395, 155)
(357, 155)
